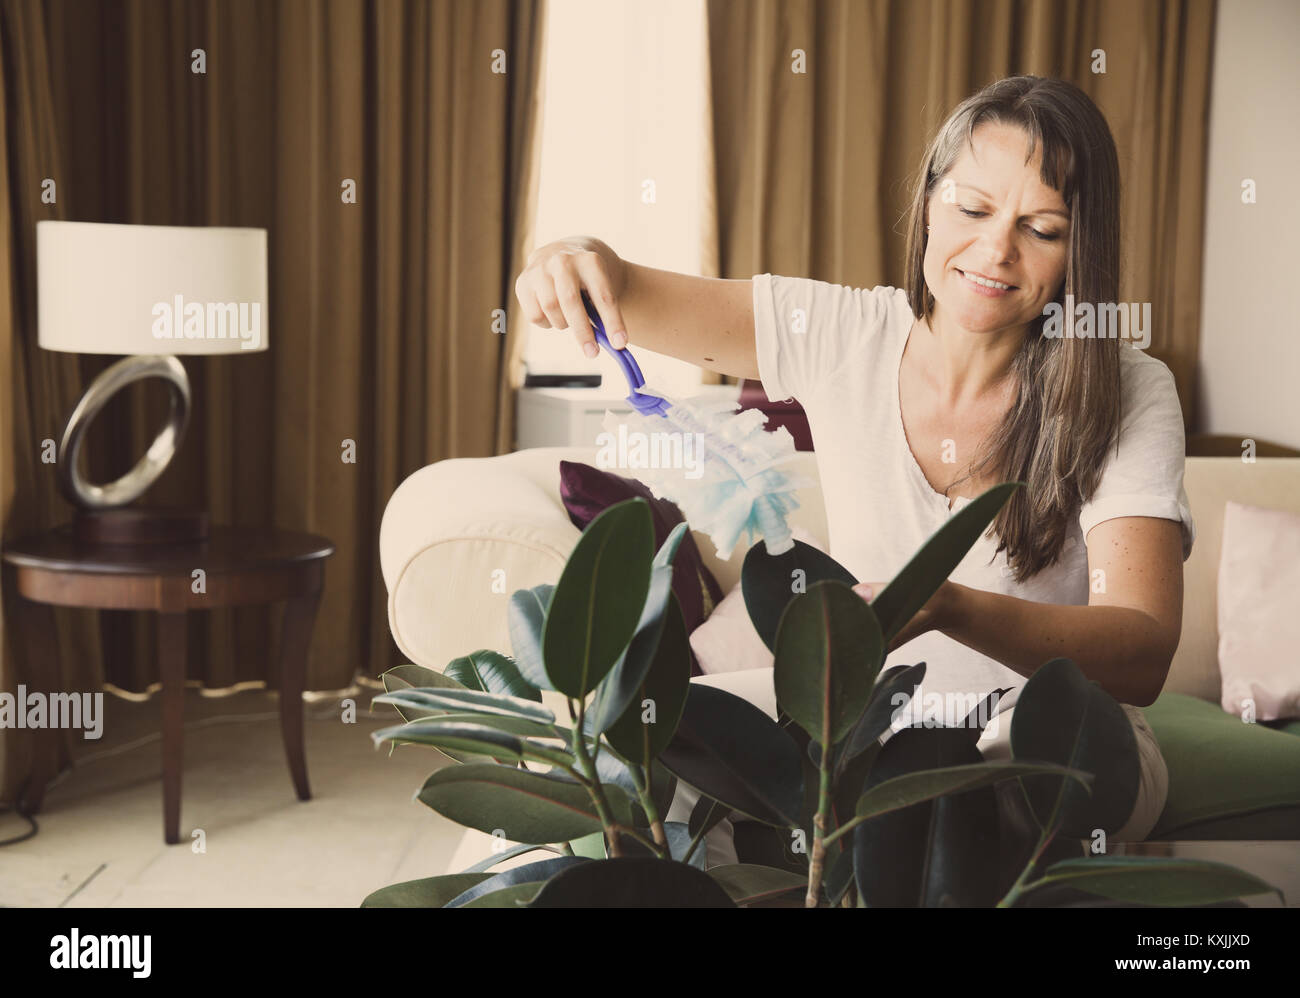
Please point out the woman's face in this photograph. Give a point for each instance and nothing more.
(992, 217)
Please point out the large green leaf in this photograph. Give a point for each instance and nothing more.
(592, 846)
(405, 677)
(479, 739)
(1156, 880)
(731, 751)
(912, 788)
(921, 577)
(521, 806)
(746, 883)
(468, 701)
(502, 722)
(632, 882)
(514, 896)
(706, 815)
(502, 856)
(934, 853)
(523, 726)
(619, 688)
(1063, 717)
(431, 892)
(891, 694)
(664, 689)
(492, 672)
(525, 620)
(769, 582)
(763, 845)
(598, 600)
(828, 654)
(529, 873)
(402, 677)
(983, 712)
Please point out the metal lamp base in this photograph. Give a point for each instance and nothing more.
(101, 516)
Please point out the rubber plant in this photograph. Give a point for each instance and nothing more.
(827, 810)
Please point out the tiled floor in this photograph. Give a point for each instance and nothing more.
(100, 842)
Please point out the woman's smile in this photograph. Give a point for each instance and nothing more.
(987, 287)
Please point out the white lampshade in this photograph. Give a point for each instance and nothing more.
(150, 289)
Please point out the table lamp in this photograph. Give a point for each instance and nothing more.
(150, 292)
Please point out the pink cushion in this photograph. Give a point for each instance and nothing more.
(1259, 616)
(727, 641)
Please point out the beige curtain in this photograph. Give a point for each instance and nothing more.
(814, 168)
(39, 387)
(381, 311)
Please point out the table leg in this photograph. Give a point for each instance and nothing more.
(41, 673)
(171, 661)
(295, 640)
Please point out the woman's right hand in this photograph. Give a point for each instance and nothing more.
(551, 284)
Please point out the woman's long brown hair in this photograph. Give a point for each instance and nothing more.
(1058, 432)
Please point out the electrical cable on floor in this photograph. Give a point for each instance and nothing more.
(17, 809)
(202, 722)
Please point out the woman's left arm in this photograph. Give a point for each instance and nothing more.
(1124, 638)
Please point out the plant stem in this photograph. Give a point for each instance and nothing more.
(1023, 885)
(843, 830)
(644, 781)
(1050, 828)
(634, 834)
(594, 787)
(641, 780)
(817, 861)
(698, 837)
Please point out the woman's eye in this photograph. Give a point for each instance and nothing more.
(1047, 237)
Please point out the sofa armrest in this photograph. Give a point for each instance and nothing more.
(459, 536)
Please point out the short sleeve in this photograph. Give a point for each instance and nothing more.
(805, 329)
(1144, 476)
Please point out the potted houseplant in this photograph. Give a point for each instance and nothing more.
(836, 818)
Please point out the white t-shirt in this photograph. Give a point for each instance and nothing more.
(843, 368)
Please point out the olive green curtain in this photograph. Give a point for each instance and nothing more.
(381, 311)
(814, 167)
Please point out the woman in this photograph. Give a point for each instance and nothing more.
(921, 398)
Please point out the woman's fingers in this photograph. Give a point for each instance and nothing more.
(550, 291)
(595, 277)
(568, 294)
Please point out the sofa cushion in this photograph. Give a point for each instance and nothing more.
(1259, 576)
(1221, 768)
(1211, 482)
(728, 641)
(587, 492)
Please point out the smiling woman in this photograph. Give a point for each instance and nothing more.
(922, 398)
(1017, 206)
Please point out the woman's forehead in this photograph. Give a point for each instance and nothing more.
(998, 153)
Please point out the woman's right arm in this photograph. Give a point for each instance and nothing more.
(703, 320)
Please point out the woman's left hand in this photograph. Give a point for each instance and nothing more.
(936, 615)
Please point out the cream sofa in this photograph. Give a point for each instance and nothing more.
(459, 536)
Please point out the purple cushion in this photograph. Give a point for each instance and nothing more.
(588, 491)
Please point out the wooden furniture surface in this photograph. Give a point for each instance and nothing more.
(239, 565)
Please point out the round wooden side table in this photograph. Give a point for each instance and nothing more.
(240, 564)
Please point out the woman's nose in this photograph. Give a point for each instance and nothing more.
(999, 239)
